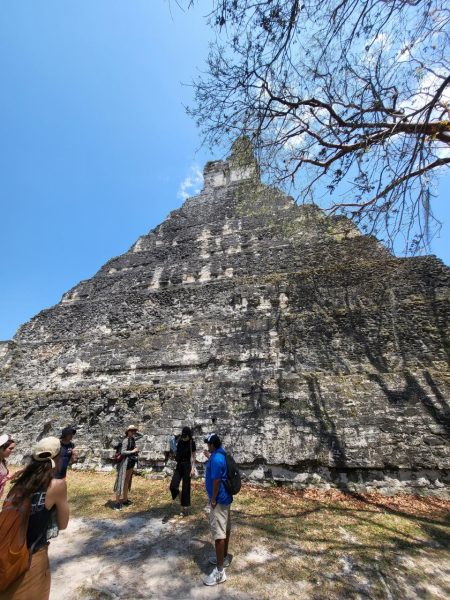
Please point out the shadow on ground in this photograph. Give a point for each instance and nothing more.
(285, 546)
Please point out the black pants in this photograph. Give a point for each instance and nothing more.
(182, 473)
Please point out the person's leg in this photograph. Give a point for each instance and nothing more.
(126, 486)
(222, 529)
(220, 552)
(186, 486)
(225, 547)
(175, 483)
(226, 557)
(218, 521)
(118, 485)
(228, 531)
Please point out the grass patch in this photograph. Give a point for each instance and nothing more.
(322, 544)
(304, 544)
(91, 495)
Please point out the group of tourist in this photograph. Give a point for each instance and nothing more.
(215, 482)
(39, 490)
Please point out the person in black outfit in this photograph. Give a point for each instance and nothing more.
(184, 470)
(67, 455)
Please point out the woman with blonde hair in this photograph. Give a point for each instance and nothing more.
(46, 497)
(127, 453)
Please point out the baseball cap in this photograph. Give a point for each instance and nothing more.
(68, 431)
(212, 438)
(47, 449)
(186, 431)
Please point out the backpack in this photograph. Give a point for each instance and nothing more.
(118, 456)
(233, 484)
(15, 556)
(173, 444)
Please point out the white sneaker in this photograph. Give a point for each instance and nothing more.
(215, 577)
(226, 560)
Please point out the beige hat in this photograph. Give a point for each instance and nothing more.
(131, 427)
(47, 449)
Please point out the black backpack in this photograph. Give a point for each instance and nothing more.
(233, 484)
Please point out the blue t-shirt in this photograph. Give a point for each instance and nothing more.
(216, 468)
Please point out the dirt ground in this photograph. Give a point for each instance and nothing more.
(136, 558)
(285, 544)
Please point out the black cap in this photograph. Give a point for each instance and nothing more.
(214, 439)
(186, 431)
(68, 431)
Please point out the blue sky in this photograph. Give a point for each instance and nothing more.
(95, 145)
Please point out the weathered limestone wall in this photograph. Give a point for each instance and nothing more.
(319, 357)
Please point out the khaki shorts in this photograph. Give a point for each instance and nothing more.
(219, 521)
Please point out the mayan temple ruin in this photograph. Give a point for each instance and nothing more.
(320, 357)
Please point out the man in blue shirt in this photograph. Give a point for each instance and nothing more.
(219, 514)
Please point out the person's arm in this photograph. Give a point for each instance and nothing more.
(9, 476)
(216, 486)
(57, 496)
(73, 456)
(193, 459)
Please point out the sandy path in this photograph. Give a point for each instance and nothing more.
(134, 558)
(140, 557)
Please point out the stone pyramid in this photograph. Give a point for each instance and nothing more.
(319, 357)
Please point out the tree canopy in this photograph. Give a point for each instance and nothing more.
(345, 101)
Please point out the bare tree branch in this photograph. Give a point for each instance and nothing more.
(339, 97)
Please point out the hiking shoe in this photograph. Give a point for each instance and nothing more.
(215, 577)
(127, 503)
(117, 506)
(226, 560)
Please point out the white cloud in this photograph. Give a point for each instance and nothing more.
(192, 184)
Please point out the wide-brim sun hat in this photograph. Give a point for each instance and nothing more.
(131, 428)
(4, 438)
(46, 449)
